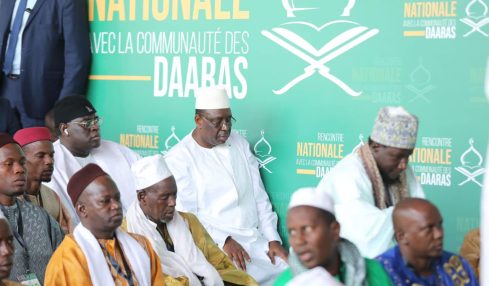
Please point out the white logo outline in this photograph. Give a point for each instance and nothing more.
(169, 139)
(471, 172)
(263, 158)
(420, 88)
(473, 20)
(317, 59)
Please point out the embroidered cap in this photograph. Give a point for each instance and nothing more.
(149, 171)
(395, 127)
(32, 134)
(72, 107)
(211, 98)
(5, 139)
(81, 179)
(313, 198)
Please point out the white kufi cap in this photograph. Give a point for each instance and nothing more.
(211, 98)
(313, 198)
(149, 171)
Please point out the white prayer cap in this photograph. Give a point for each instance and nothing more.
(211, 98)
(395, 127)
(149, 170)
(313, 198)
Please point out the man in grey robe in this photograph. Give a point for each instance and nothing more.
(36, 233)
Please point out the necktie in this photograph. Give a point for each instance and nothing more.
(163, 230)
(14, 36)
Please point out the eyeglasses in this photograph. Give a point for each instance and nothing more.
(89, 123)
(219, 122)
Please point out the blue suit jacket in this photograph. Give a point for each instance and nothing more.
(55, 51)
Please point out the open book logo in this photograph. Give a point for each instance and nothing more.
(472, 165)
(351, 34)
(476, 17)
(263, 151)
(420, 83)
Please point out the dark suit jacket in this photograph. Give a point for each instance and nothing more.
(8, 119)
(55, 51)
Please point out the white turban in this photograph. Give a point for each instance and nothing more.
(149, 171)
(211, 98)
(313, 198)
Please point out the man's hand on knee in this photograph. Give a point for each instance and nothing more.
(236, 252)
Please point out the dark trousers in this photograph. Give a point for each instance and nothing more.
(11, 89)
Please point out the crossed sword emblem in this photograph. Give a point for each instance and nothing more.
(334, 47)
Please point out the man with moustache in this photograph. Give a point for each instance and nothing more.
(319, 255)
(39, 153)
(218, 180)
(6, 252)
(366, 184)
(188, 254)
(98, 252)
(36, 233)
(80, 144)
(419, 258)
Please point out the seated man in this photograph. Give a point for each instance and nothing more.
(186, 250)
(314, 235)
(39, 154)
(36, 233)
(79, 144)
(97, 253)
(419, 259)
(218, 181)
(366, 184)
(6, 252)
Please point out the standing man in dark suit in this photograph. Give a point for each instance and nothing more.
(44, 54)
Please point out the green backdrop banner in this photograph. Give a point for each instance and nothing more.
(306, 79)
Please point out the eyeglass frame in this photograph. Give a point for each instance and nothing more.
(89, 123)
(228, 120)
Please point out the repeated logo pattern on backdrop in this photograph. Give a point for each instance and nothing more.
(305, 79)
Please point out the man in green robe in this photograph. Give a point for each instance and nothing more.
(318, 254)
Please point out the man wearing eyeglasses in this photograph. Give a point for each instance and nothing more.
(80, 143)
(218, 180)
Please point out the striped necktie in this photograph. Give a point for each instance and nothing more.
(14, 37)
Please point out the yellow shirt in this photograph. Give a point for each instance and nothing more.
(68, 265)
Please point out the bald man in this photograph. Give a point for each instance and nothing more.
(419, 258)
